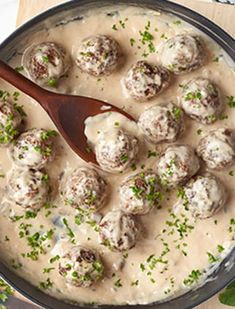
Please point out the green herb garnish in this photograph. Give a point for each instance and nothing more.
(46, 285)
(231, 101)
(193, 277)
(118, 283)
(227, 297)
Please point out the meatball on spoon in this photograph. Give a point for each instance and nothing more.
(68, 112)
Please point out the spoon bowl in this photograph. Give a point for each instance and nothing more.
(68, 112)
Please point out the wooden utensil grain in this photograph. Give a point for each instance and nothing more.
(68, 112)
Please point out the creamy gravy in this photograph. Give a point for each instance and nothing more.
(139, 283)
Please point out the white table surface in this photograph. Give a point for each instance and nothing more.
(8, 12)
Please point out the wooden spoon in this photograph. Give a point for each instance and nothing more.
(68, 112)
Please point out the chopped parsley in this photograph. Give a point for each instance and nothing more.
(20, 110)
(193, 277)
(231, 101)
(132, 41)
(54, 259)
(45, 58)
(118, 283)
(45, 177)
(6, 238)
(220, 248)
(36, 241)
(5, 291)
(52, 82)
(48, 270)
(142, 267)
(181, 194)
(98, 267)
(146, 38)
(4, 95)
(124, 158)
(16, 95)
(193, 96)
(133, 166)
(216, 59)
(45, 135)
(44, 150)
(120, 25)
(16, 265)
(19, 69)
(46, 285)
(30, 214)
(177, 22)
(231, 228)
(177, 113)
(163, 36)
(211, 258)
(199, 131)
(151, 154)
(135, 283)
(8, 131)
(69, 231)
(181, 226)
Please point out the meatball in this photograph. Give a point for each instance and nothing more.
(45, 63)
(161, 123)
(28, 188)
(116, 150)
(177, 164)
(182, 53)
(98, 55)
(200, 99)
(118, 231)
(217, 148)
(81, 267)
(205, 195)
(144, 81)
(84, 189)
(34, 148)
(139, 193)
(10, 121)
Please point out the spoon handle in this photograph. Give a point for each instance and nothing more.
(24, 84)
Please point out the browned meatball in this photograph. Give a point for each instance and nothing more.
(45, 63)
(139, 193)
(84, 189)
(118, 231)
(81, 267)
(98, 55)
(161, 123)
(144, 81)
(177, 164)
(28, 188)
(204, 196)
(217, 148)
(182, 53)
(34, 148)
(200, 99)
(10, 121)
(116, 150)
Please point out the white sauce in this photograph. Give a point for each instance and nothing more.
(165, 279)
(97, 127)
